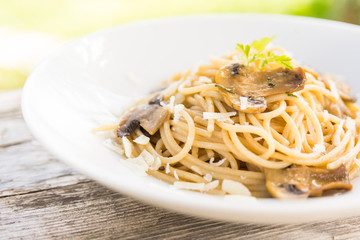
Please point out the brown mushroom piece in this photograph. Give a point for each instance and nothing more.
(238, 81)
(298, 182)
(149, 116)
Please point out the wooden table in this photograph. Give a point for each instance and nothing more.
(42, 198)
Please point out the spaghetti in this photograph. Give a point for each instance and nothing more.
(202, 142)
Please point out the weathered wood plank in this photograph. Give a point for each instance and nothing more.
(25, 166)
(88, 211)
(28, 167)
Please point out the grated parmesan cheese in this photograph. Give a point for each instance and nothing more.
(175, 175)
(243, 103)
(208, 177)
(177, 110)
(156, 164)
(211, 185)
(221, 117)
(171, 104)
(148, 158)
(138, 164)
(167, 168)
(235, 188)
(319, 148)
(142, 140)
(219, 163)
(127, 147)
(197, 186)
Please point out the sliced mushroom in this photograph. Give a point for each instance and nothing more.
(238, 81)
(298, 182)
(149, 116)
(248, 104)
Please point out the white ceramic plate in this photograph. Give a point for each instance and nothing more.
(87, 82)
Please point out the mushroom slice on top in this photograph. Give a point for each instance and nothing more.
(149, 116)
(238, 81)
(298, 182)
(248, 104)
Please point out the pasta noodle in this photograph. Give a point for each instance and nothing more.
(206, 145)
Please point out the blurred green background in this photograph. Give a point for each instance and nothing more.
(32, 29)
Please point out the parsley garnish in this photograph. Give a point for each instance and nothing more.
(224, 88)
(290, 94)
(256, 51)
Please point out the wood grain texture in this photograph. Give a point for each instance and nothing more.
(42, 198)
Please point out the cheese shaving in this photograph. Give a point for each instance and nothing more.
(171, 104)
(156, 164)
(177, 110)
(221, 117)
(233, 187)
(202, 187)
(219, 163)
(138, 164)
(243, 103)
(127, 147)
(148, 158)
(208, 177)
(142, 140)
(167, 168)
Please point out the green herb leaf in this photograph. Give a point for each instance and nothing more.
(290, 94)
(259, 53)
(224, 88)
(285, 64)
(247, 51)
(261, 44)
(263, 62)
